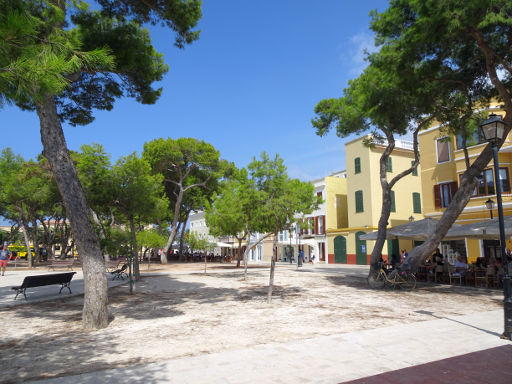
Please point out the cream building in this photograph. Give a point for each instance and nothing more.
(364, 201)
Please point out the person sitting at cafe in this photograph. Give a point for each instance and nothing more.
(460, 266)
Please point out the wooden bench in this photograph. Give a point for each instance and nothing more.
(61, 264)
(64, 279)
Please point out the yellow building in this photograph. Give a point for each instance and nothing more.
(442, 164)
(364, 201)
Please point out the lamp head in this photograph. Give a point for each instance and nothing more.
(493, 128)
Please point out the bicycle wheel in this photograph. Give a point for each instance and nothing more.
(377, 280)
(409, 281)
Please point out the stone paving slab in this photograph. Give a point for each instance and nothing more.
(326, 359)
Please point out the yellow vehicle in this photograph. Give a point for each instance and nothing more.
(20, 251)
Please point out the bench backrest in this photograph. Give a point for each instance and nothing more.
(40, 280)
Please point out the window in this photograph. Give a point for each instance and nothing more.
(443, 150)
(505, 181)
(359, 201)
(415, 170)
(321, 225)
(389, 165)
(416, 202)
(443, 194)
(392, 196)
(485, 184)
(357, 165)
(319, 194)
(471, 139)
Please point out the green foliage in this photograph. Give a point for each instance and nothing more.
(279, 199)
(117, 243)
(198, 243)
(106, 54)
(95, 174)
(231, 211)
(150, 238)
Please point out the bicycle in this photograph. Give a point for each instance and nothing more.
(394, 279)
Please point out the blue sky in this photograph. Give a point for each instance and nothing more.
(249, 84)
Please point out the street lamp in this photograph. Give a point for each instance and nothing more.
(411, 218)
(493, 129)
(490, 205)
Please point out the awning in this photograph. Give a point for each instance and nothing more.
(414, 230)
(226, 245)
(487, 229)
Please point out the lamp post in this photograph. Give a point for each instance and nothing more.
(493, 129)
(411, 218)
(490, 205)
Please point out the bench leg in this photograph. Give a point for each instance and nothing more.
(65, 285)
(18, 291)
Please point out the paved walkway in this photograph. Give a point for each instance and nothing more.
(14, 277)
(398, 354)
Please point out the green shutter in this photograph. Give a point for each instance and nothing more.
(415, 170)
(416, 202)
(389, 165)
(393, 206)
(357, 165)
(359, 201)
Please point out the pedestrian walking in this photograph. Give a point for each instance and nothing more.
(5, 255)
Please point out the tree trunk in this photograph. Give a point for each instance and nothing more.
(382, 230)
(174, 225)
(95, 313)
(386, 193)
(35, 241)
(272, 268)
(27, 244)
(239, 252)
(182, 243)
(133, 239)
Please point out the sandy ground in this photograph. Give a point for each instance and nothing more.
(181, 312)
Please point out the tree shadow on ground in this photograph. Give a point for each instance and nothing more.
(30, 357)
(349, 281)
(423, 312)
(421, 287)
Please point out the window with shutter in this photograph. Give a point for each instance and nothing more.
(437, 196)
(416, 202)
(392, 196)
(357, 165)
(359, 201)
(443, 194)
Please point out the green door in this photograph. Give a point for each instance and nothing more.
(340, 250)
(393, 248)
(361, 257)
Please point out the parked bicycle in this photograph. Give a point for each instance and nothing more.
(392, 279)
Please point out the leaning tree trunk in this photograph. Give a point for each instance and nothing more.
(95, 313)
(272, 268)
